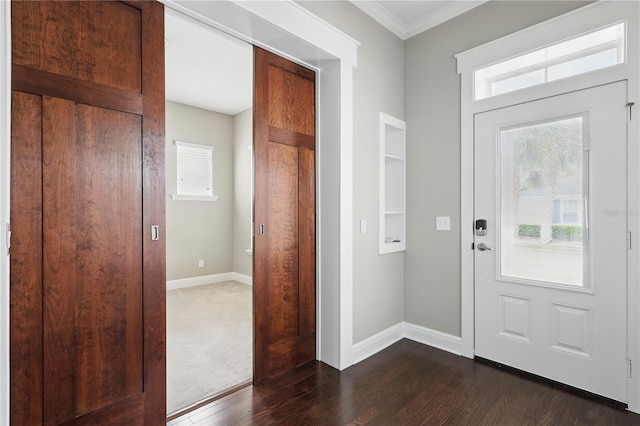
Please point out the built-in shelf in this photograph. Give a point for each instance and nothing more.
(392, 184)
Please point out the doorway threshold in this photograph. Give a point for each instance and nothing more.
(191, 408)
(618, 405)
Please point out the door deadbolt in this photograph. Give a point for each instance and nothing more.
(481, 227)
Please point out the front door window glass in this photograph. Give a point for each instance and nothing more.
(544, 187)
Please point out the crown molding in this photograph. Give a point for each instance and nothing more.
(387, 19)
(441, 15)
(382, 15)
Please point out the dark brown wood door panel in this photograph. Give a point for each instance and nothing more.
(108, 257)
(92, 246)
(26, 262)
(284, 255)
(59, 281)
(95, 42)
(87, 285)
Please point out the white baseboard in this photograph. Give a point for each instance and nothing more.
(241, 278)
(437, 339)
(374, 344)
(208, 279)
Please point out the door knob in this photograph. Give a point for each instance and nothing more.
(483, 247)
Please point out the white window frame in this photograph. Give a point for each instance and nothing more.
(193, 197)
(582, 20)
(618, 45)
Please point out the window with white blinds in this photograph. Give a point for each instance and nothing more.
(194, 172)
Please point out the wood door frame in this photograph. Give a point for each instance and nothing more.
(303, 38)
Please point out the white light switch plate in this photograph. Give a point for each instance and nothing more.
(443, 223)
(363, 226)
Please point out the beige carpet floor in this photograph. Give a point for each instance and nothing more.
(209, 341)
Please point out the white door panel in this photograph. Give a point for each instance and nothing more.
(550, 294)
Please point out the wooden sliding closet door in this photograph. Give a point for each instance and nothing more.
(87, 280)
(284, 217)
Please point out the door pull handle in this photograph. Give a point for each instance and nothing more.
(483, 247)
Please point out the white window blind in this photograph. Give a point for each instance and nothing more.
(194, 172)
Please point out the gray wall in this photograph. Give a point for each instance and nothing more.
(198, 229)
(432, 110)
(378, 289)
(242, 141)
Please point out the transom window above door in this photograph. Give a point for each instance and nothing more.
(592, 51)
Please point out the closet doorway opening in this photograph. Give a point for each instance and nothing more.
(209, 203)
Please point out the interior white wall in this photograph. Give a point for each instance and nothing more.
(199, 229)
(329, 212)
(242, 196)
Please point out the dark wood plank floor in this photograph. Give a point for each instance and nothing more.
(408, 384)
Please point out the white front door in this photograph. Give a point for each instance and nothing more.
(551, 259)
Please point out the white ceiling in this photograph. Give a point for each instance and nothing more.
(207, 69)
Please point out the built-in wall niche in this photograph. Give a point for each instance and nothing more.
(392, 184)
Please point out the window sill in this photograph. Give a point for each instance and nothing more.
(180, 197)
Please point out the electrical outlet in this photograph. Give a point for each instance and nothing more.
(201, 263)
